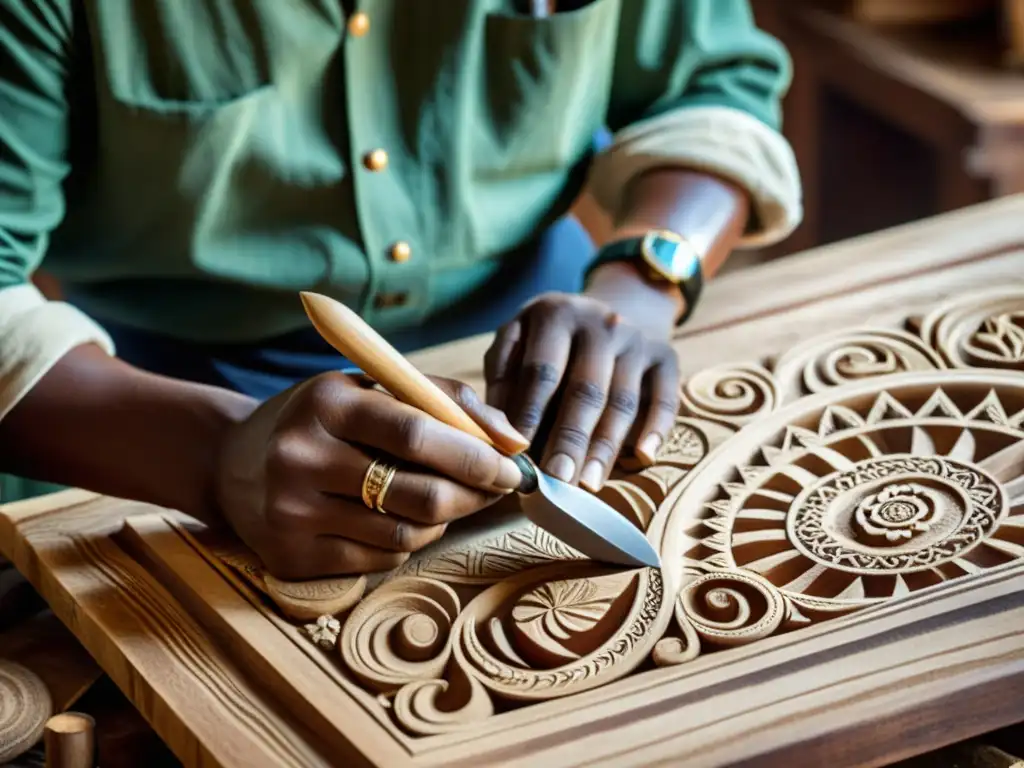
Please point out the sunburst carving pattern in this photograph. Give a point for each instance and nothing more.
(900, 484)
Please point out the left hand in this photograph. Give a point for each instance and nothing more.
(621, 384)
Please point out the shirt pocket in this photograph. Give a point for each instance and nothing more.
(165, 156)
(208, 181)
(546, 84)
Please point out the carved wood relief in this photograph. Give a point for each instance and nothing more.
(853, 469)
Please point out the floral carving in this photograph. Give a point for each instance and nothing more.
(1000, 340)
(324, 632)
(982, 330)
(897, 512)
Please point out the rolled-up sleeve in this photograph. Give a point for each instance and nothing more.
(35, 39)
(698, 86)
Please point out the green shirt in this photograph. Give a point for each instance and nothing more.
(187, 166)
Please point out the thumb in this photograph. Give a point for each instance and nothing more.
(494, 422)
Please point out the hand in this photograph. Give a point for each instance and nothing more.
(290, 476)
(621, 385)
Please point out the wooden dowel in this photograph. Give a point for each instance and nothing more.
(70, 741)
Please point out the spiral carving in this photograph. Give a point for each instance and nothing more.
(840, 358)
(671, 651)
(25, 706)
(731, 608)
(400, 633)
(433, 707)
(732, 394)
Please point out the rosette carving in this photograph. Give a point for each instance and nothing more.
(980, 330)
(733, 395)
(900, 483)
(839, 358)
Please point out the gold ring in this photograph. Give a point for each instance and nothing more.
(373, 481)
(384, 488)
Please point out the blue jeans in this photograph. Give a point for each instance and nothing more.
(262, 370)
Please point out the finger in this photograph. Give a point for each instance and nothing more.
(546, 348)
(335, 555)
(380, 422)
(432, 500)
(351, 519)
(586, 394)
(494, 422)
(498, 362)
(662, 408)
(616, 421)
(297, 559)
(419, 498)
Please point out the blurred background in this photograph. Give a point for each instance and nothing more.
(899, 110)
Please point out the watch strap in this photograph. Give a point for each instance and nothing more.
(630, 250)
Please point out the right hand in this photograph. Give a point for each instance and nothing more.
(290, 476)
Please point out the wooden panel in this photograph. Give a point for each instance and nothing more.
(839, 509)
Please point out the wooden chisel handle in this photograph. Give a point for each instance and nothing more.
(348, 333)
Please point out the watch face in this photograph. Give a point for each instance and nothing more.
(674, 257)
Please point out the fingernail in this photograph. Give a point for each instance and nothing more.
(509, 477)
(592, 477)
(647, 450)
(516, 437)
(562, 466)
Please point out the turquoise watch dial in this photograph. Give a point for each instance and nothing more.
(675, 258)
(667, 256)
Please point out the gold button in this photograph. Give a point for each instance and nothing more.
(359, 24)
(401, 252)
(377, 160)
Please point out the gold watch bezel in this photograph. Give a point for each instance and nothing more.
(652, 262)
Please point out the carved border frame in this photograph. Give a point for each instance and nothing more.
(906, 667)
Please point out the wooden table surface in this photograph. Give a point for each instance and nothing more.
(196, 693)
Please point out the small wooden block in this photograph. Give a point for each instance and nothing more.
(70, 741)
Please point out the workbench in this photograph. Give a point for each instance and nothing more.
(812, 373)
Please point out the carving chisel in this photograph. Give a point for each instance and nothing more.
(578, 518)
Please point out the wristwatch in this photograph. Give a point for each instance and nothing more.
(663, 257)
